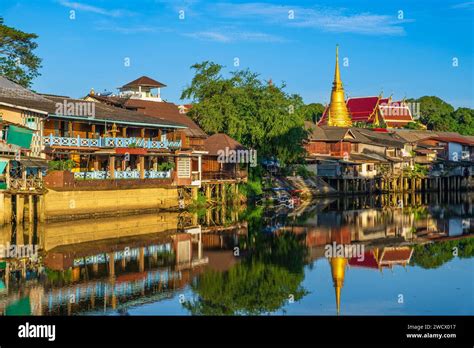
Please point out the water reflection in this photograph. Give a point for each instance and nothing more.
(237, 261)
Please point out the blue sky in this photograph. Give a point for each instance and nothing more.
(408, 56)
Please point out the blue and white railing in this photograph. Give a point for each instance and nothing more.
(125, 174)
(53, 140)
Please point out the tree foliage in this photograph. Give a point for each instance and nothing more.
(17, 60)
(434, 255)
(257, 285)
(257, 114)
(438, 115)
(313, 112)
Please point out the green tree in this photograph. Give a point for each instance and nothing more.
(434, 112)
(434, 255)
(414, 125)
(313, 112)
(255, 113)
(247, 288)
(259, 284)
(438, 115)
(17, 60)
(464, 119)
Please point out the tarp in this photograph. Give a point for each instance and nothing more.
(34, 163)
(20, 307)
(19, 136)
(3, 165)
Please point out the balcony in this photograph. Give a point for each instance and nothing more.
(30, 184)
(126, 174)
(52, 140)
(240, 175)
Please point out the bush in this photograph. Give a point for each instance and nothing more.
(166, 166)
(61, 165)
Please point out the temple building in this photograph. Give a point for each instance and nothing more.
(376, 111)
(337, 112)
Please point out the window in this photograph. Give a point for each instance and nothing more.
(184, 167)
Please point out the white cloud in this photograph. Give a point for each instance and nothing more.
(94, 9)
(327, 19)
(233, 36)
(469, 5)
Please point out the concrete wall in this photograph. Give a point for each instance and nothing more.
(66, 204)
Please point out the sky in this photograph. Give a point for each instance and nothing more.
(403, 48)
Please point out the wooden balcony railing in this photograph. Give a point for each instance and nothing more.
(125, 174)
(52, 140)
(224, 175)
(25, 184)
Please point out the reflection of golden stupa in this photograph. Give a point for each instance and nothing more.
(338, 115)
(338, 267)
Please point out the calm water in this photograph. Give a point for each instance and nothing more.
(414, 255)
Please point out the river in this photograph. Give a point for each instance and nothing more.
(361, 255)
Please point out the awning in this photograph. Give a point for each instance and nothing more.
(3, 165)
(34, 163)
(19, 136)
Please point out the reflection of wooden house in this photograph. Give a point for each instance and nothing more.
(320, 236)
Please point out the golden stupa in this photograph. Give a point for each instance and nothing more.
(338, 268)
(338, 115)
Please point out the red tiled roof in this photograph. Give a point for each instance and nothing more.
(362, 108)
(394, 255)
(369, 261)
(393, 124)
(324, 117)
(395, 114)
(458, 140)
(160, 110)
(144, 81)
(167, 111)
(220, 141)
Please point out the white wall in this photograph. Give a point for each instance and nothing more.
(454, 152)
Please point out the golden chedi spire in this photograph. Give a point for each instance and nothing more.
(338, 114)
(338, 268)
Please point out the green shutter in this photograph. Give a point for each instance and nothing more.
(19, 136)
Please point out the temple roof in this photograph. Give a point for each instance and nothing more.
(363, 109)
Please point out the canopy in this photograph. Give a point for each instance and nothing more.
(34, 163)
(3, 165)
(19, 136)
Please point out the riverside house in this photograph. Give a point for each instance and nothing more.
(103, 141)
(355, 152)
